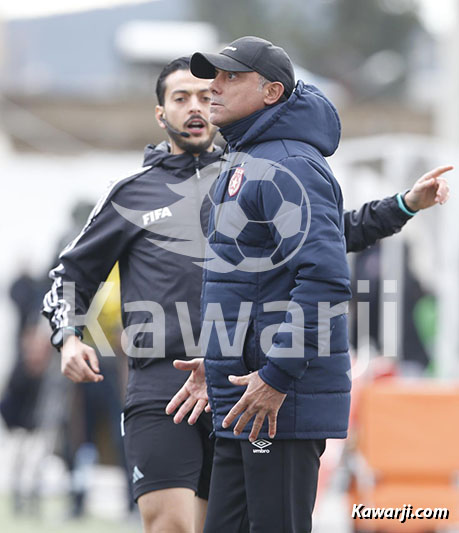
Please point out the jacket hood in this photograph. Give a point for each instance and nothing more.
(160, 155)
(153, 155)
(307, 116)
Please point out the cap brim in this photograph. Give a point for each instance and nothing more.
(204, 65)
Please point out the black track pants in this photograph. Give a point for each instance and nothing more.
(264, 487)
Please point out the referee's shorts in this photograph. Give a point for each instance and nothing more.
(162, 455)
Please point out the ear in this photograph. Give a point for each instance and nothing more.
(159, 114)
(272, 92)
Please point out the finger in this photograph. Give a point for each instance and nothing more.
(184, 409)
(85, 363)
(68, 367)
(75, 367)
(177, 400)
(187, 365)
(272, 425)
(198, 409)
(425, 184)
(445, 199)
(93, 378)
(239, 380)
(243, 421)
(72, 375)
(256, 428)
(87, 374)
(442, 190)
(79, 375)
(91, 357)
(208, 408)
(234, 412)
(435, 173)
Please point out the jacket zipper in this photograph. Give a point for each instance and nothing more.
(196, 166)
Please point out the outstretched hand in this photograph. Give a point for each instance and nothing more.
(193, 394)
(259, 400)
(429, 189)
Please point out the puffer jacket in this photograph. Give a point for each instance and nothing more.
(283, 243)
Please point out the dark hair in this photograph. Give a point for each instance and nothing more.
(181, 63)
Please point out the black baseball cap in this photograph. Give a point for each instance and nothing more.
(248, 54)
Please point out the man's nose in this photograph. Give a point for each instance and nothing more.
(215, 86)
(195, 105)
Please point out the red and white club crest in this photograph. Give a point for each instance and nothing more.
(235, 181)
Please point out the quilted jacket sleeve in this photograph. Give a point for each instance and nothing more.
(317, 260)
(373, 221)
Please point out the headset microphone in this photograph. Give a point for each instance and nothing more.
(173, 130)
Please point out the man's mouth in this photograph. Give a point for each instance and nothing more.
(195, 126)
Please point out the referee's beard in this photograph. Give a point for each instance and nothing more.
(185, 144)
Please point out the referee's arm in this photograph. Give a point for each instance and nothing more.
(85, 263)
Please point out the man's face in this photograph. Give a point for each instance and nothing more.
(186, 108)
(234, 95)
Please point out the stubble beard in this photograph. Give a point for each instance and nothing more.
(193, 148)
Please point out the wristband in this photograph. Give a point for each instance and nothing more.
(402, 205)
(58, 337)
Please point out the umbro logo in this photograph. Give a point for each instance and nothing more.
(136, 474)
(261, 445)
(155, 215)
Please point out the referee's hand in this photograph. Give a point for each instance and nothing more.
(193, 394)
(429, 189)
(79, 361)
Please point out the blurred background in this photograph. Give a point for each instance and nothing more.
(76, 109)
